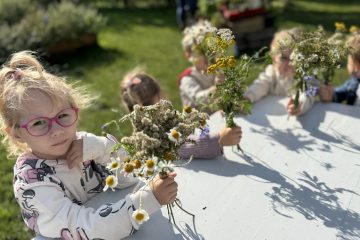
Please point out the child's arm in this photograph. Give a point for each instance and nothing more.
(346, 92)
(261, 86)
(207, 147)
(211, 145)
(193, 90)
(91, 147)
(48, 211)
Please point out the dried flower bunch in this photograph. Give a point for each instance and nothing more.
(315, 55)
(159, 131)
(229, 94)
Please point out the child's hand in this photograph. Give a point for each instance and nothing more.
(291, 109)
(230, 136)
(165, 190)
(326, 93)
(75, 154)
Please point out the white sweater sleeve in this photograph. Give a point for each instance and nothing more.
(261, 86)
(305, 103)
(193, 90)
(56, 216)
(99, 148)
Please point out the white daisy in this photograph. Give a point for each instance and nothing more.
(111, 181)
(174, 136)
(140, 216)
(113, 165)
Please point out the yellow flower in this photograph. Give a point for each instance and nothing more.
(140, 216)
(111, 181)
(231, 61)
(203, 122)
(353, 29)
(340, 26)
(150, 163)
(211, 69)
(168, 156)
(187, 109)
(137, 163)
(128, 168)
(149, 172)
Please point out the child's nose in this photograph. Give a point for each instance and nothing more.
(56, 129)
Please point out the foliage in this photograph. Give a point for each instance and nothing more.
(214, 43)
(35, 26)
(314, 54)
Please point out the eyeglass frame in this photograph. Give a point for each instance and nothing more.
(50, 121)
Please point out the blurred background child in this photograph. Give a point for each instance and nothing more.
(349, 91)
(140, 88)
(278, 77)
(195, 83)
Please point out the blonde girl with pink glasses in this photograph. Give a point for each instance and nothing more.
(58, 168)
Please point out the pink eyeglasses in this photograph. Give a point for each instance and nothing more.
(40, 126)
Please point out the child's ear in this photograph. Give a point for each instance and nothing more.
(14, 133)
(187, 54)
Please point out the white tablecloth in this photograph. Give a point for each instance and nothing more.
(300, 179)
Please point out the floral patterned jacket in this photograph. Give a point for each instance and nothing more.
(51, 196)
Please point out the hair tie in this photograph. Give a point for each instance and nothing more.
(134, 81)
(17, 74)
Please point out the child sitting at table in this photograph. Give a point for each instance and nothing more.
(195, 83)
(349, 91)
(140, 88)
(278, 77)
(58, 169)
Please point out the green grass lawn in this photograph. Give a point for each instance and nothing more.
(149, 38)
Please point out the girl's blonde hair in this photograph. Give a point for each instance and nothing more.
(353, 43)
(284, 38)
(137, 87)
(22, 73)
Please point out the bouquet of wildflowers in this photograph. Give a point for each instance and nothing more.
(214, 43)
(315, 55)
(158, 132)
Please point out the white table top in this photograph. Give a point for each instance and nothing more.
(300, 179)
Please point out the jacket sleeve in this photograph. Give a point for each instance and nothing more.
(261, 86)
(207, 147)
(99, 148)
(305, 102)
(346, 92)
(56, 216)
(193, 90)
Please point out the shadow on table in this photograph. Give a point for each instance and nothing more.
(306, 195)
(311, 121)
(158, 226)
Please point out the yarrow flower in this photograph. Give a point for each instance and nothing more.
(111, 182)
(140, 216)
